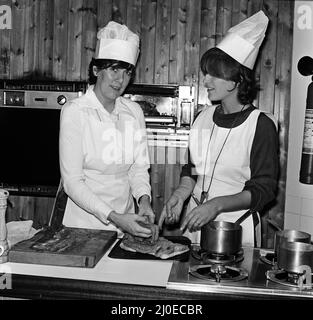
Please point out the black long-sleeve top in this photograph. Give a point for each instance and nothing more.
(264, 163)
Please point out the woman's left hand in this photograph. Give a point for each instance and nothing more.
(199, 216)
(145, 208)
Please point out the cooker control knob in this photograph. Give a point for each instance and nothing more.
(61, 100)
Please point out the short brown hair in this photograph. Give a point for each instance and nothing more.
(217, 63)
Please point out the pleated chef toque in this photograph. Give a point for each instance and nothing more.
(242, 42)
(117, 42)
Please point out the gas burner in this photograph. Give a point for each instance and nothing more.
(297, 280)
(218, 273)
(269, 258)
(216, 258)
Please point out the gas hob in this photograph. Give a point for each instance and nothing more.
(192, 276)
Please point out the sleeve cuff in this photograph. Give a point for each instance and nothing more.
(141, 192)
(103, 211)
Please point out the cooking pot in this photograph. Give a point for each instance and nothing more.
(223, 237)
(292, 255)
(290, 236)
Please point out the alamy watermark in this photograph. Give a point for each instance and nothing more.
(5, 17)
(5, 277)
(305, 17)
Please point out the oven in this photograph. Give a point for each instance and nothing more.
(29, 120)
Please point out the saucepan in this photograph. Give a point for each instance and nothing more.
(288, 235)
(292, 256)
(223, 237)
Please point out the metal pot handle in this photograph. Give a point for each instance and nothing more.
(244, 217)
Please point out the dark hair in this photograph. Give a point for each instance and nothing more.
(106, 63)
(217, 63)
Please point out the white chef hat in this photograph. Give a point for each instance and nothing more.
(117, 42)
(242, 42)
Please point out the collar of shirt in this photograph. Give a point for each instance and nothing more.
(96, 104)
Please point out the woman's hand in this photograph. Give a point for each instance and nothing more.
(145, 209)
(199, 216)
(172, 210)
(128, 223)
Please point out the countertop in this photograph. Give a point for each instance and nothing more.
(109, 279)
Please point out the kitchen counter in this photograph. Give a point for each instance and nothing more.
(113, 279)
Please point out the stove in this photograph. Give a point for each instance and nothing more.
(218, 273)
(301, 279)
(216, 258)
(217, 267)
(268, 257)
(246, 275)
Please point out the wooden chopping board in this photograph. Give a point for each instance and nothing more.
(74, 247)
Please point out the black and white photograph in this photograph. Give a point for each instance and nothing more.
(156, 153)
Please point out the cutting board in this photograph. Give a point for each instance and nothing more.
(74, 247)
(118, 253)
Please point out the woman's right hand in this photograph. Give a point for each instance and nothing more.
(128, 223)
(172, 210)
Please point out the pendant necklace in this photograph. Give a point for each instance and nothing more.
(204, 194)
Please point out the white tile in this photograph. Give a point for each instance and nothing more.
(307, 207)
(292, 221)
(306, 224)
(293, 204)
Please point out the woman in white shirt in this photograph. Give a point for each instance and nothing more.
(104, 158)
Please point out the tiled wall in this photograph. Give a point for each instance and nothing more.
(299, 197)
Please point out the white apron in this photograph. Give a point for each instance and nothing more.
(232, 169)
(108, 147)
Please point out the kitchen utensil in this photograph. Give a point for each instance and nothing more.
(293, 255)
(223, 237)
(290, 236)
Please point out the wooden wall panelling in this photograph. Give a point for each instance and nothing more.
(5, 48)
(162, 42)
(37, 209)
(268, 59)
(133, 16)
(223, 18)
(42, 211)
(239, 11)
(159, 176)
(281, 100)
(17, 40)
(31, 37)
(45, 38)
(89, 36)
(145, 65)
(266, 69)
(119, 11)
(207, 40)
(104, 13)
(253, 7)
(60, 39)
(177, 42)
(133, 20)
(74, 45)
(192, 46)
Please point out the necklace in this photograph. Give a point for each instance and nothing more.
(204, 194)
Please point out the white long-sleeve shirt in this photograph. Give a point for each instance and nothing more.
(104, 159)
